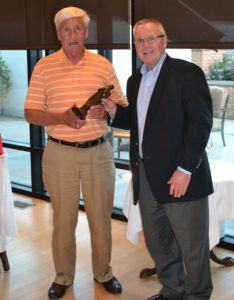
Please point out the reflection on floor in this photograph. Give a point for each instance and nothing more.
(31, 263)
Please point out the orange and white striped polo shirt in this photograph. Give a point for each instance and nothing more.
(59, 84)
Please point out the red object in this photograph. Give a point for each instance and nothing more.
(1, 148)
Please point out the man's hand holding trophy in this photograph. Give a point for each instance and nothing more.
(96, 99)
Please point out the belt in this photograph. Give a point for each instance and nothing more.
(86, 144)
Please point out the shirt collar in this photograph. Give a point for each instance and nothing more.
(64, 58)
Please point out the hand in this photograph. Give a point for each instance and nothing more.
(179, 182)
(97, 112)
(110, 107)
(72, 120)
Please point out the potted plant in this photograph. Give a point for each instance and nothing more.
(5, 81)
(222, 69)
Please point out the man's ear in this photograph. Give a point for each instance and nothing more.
(165, 41)
(87, 33)
(58, 36)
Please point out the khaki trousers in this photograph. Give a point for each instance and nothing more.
(65, 170)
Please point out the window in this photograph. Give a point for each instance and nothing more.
(12, 124)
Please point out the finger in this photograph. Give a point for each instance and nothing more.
(176, 193)
(179, 194)
(184, 190)
(172, 190)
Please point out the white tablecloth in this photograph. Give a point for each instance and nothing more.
(221, 204)
(8, 228)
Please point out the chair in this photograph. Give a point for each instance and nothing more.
(121, 134)
(220, 98)
(5, 262)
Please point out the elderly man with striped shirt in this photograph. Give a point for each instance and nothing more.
(78, 154)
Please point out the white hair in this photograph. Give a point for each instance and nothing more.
(71, 12)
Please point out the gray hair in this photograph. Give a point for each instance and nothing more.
(145, 21)
(71, 12)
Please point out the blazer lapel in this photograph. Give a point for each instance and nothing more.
(158, 90)
(135, 90)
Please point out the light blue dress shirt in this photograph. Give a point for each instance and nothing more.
(148, 81)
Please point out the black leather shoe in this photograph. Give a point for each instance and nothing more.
(161, 297)
(112, 286)
(57, 291)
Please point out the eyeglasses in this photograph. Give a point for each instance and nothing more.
(149, 39)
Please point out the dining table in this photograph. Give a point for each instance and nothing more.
(8, 227)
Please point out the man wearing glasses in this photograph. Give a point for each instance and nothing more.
(170, 118)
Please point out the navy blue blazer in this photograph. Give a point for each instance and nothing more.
(177, 129)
